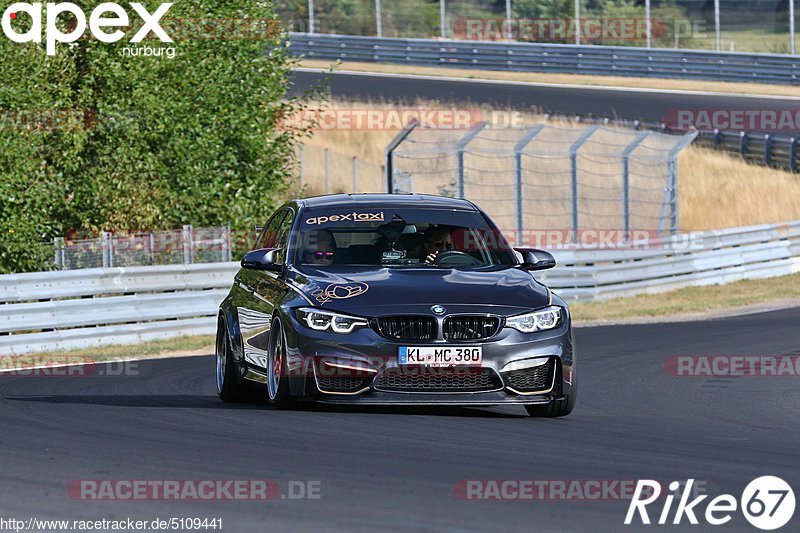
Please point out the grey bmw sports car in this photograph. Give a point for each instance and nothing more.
(394, 299)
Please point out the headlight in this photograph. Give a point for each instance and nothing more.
(320, 320)
(548, 318)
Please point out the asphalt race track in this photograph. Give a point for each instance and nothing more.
(396, 468)
(611, 102)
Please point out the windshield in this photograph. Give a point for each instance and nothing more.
(398, 238)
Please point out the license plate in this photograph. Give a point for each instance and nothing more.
(440, 356)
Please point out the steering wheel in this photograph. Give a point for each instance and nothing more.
(456, 258)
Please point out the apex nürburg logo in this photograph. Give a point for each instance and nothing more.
(107, 15)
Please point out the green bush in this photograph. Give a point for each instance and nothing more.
(151, 142)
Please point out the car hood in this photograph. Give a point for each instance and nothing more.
(502, 290)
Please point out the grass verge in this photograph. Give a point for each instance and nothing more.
(691, 300)
(565, 79)
(178, 346)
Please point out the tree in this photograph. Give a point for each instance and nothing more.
(92, 139)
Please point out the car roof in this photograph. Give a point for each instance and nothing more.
(387, 200)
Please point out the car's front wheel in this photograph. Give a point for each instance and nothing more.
(277, 372)
(228, 388)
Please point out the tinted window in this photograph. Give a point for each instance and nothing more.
(399, 238)
(269, 236)
(284, 230)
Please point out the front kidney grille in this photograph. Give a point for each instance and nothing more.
(537, 378)
(407, 328)
(427, 379)
(470, 327)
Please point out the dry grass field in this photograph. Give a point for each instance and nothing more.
(716, 190)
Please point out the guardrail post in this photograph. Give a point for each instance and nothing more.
(793, 154)
(768, 149)
(187, 245)
(389, 152)
(626, 183)
(520, 146)
(743, 145)
(573, 167)
(461, 147)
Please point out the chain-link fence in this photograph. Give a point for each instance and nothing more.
(184, 246)
(544, 177)
(325, 171)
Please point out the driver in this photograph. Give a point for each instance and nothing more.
(437, 240)
(321, 247)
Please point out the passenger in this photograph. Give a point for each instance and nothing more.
(320, 249)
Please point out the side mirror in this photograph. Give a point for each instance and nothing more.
(266, 259)
(533, 259)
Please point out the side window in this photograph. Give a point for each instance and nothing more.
(284, 231)
(269, 236)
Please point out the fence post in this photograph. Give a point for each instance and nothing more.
(187, 245)
(461, 147)
(106, 249)
(58, 246)
(227, 253)
(152, 249)
(626, 183)
(355, 174)
(327, 171)
(389, 153)
(573, 167)
(378, 21)
(523, 142)
(793, 154)
(302, 158)
(671, 190)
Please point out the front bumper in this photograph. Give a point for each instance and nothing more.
(366, 356)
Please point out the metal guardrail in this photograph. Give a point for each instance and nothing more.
(559, 58)
(777, 150)
(689, 259)
(768, 149)
(51, 311)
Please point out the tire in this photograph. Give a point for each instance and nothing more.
(277, 374)
(556, 408)
(228, 387)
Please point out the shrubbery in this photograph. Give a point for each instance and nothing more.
(94, 141)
